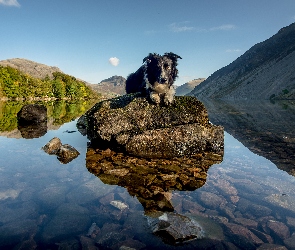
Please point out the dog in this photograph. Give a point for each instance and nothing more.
(155, 78)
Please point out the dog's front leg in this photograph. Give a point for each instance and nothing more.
(169, 96)
(155, 97)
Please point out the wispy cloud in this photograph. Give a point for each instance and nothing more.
(183, 26)
(10, 3)
(224, 27)
(180, 27)
(232, 50)
(114, 61)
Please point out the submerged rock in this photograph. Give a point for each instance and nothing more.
(119, 204)
(69, 219)
(175, 228)
(132, 124)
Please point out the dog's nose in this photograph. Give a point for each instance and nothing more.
(163, 80)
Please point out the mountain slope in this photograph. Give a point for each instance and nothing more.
(264, 71)
(31, 68)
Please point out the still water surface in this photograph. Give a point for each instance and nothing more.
(247, 202)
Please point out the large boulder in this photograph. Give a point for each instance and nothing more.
(32, 113)
(132, 124)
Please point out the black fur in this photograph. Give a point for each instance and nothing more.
(155, 77)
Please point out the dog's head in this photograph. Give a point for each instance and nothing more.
(161, 69)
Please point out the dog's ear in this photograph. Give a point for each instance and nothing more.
(172, 56)
(148, 58)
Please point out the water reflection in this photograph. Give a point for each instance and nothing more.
(245, 203)
(58, 113)
(266, 128)
(32, 121)
(151, 180)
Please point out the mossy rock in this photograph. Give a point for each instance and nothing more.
(132, 124)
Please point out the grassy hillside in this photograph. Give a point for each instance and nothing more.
(265, 71)
(17, 85)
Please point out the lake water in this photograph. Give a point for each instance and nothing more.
(247, 201)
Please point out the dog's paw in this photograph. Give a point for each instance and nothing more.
(155, 98)
(168, 99)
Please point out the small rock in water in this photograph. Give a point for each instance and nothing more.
(175, 228)
(52, 146)
(91, 229)
(10, 193)
(118, 204)
(67, 153)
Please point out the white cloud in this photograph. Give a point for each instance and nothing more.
(224, 27)
(180, 27)
(233, 50)
(114, 61)
(183, 27)
(10, 3)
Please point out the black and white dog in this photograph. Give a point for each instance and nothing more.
(155, 78)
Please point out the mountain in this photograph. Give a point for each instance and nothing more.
(31, 68)
(265, 71)
(188, 87)
(110, 87)
(114, 85)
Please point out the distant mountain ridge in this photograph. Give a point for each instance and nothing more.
(34, 69)
(115, 85)
(265, 71)
(188, 86)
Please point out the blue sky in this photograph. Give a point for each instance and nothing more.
(80, 37)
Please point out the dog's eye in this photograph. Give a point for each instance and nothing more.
(167, 67)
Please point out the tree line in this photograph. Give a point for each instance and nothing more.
(15, 84)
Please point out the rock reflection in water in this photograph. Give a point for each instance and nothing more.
(152, 182)
(32, 121)
(30, 131)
